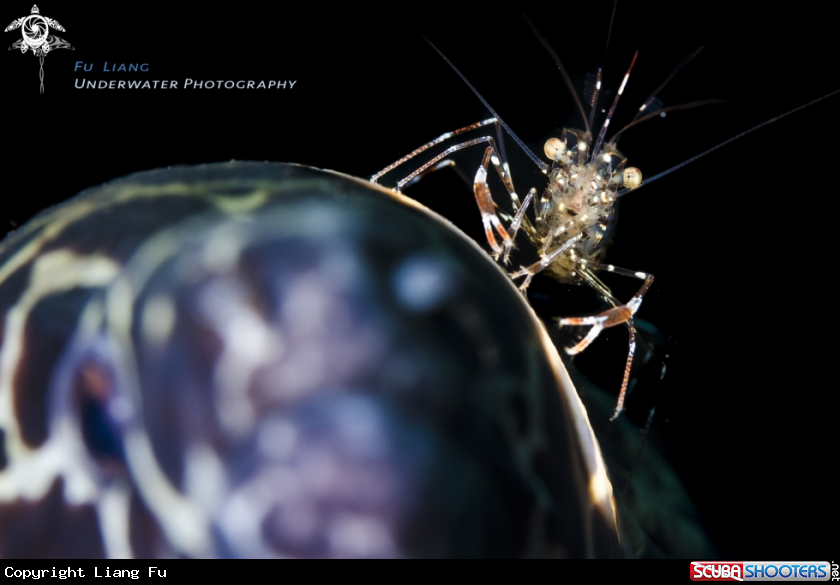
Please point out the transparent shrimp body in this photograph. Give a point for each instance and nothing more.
(578, 201)
(574, 215)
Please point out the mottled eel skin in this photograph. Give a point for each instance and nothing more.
(254, 359)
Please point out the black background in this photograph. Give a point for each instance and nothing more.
(736, 240)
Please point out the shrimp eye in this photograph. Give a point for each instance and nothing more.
(554, 148)
(632, 177)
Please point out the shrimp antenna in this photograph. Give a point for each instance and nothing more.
(597, 148)
(641, 116)
(671, 75)
(725, 142)
(661, 111)
(609, 33)
(543, 167)
(563, 72)
(593, 98)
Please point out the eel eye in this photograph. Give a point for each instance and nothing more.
(94, 390)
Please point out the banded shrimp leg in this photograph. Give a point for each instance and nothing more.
(494, 153)
(619, 314)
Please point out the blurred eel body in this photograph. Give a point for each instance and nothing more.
(270, 360)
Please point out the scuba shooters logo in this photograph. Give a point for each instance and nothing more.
(762, 571)
(36, 37)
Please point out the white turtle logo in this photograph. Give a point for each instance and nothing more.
(36, 37)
